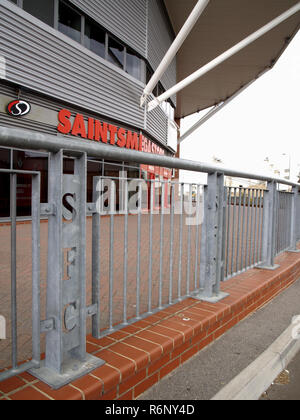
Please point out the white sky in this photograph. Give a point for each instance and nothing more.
(264, 121)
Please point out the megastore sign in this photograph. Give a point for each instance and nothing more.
(95, 130)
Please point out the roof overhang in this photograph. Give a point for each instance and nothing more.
(222, 25)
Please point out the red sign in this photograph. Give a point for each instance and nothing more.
(95, 130)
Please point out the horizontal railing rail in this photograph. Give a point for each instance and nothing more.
(150, 243)
(24, 139)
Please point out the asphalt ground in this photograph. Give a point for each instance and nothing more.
(203, 376)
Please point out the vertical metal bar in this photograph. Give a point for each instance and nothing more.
(150, 246)
(180, 240)
(247, 234)
(197, 236)
(224, 193)
(80, 171)
(238, 233)
(36, 312)
(13, 216)
(251, 228)
(171, 243)
(255, 228)
(258, 257)
(271, 201)
(138, 267)
(293, 224)
(219, 233)
(125, 268)
(243, 231)
(54, 339)
(278, 221)
(213, 239)
(161, 256)
(188, 266)
(96, 262)
(228, 231)
(233, 233)
(111, 254)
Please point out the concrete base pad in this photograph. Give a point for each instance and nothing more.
(72, 370)
(211, 299)
(267, 267)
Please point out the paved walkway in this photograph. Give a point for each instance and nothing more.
(207, 373)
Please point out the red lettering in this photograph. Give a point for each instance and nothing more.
(64, 119)
(121, 137)
(100, 132)
(91, 124)
(113, 131)
(79, 127)
(132, 141)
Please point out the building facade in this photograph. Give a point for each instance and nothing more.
(78, 68)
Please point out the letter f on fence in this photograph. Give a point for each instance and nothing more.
(2, 328)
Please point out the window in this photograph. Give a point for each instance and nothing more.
(94, 38)
(69, 22)
(43, 10)
(4, 158)
(83, 29)
(133, 64)
(116, 53)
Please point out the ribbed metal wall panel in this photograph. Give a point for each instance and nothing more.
(126, 19)
(160, 38)
(23, 123)
(50, 63)
(157, 125)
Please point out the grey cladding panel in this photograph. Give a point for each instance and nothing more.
(157, 124)
(50, 63)
(126, 19)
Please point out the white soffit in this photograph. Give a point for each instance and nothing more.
(222, 25)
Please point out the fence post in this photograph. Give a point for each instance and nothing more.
(270, 206)
(212, 257)
(66, 358)
(294, 219)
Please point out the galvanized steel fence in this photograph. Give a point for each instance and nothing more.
(151, 243)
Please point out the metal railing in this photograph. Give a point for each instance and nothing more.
(150, 244)
(243, 236)
(35, 204)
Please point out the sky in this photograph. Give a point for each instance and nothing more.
(263, 122)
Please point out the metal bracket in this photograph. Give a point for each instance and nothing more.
(92, 310)
(48, 209)
(47, 325)
(91, 208)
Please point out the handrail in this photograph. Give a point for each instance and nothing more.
(25, 139)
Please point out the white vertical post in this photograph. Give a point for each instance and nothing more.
(223, 57)
(181, 37)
